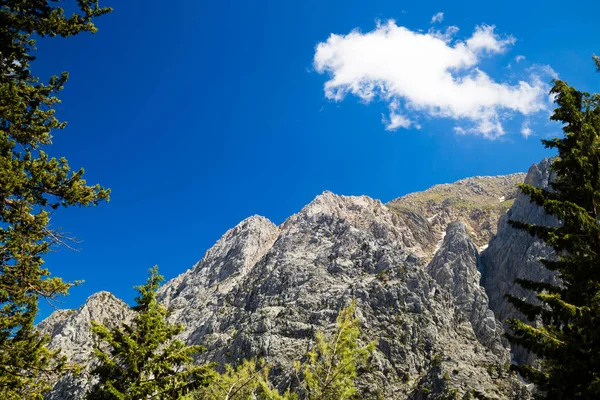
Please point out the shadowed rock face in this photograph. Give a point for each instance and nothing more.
(264, 290)
(454, 267)
(513, 253)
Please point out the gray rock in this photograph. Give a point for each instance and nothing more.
(71, 332)
(264, 290)
(199, 293)
(513, 253)
(478, 202)
(454, 267)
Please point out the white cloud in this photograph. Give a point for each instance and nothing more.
(485, 40)
(526, 130)
(546, 69)
(447, 36)
(431, 74)
(519, 58)
(396, 121)
(439, 17)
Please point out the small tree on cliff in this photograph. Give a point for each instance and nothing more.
(566, 334)
(143, 359)
(32, 184)
(329, 372)
(240, 383)
(331, 369)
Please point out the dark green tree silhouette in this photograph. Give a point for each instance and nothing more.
(563, 328)
(32, 184)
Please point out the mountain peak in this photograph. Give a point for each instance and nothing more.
(263, 290)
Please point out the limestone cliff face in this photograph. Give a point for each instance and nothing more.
(513, 253)
(263, 290)
(455, 268)
(197, 297)
(335, 249)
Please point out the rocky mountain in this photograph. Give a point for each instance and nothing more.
(513, 254)
(413, 266)
(478, 202)
(454, 267)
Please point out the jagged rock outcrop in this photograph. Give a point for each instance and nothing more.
(71, 332)
(198, 294)
(513, 253)
(478, 202)
(454, 267)
(264, 290)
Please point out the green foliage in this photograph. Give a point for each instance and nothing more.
(383, 276)
(267, 392)
(331, 368)
(506, 205)
(564, 328)
(249, 381)
(32, 184)
(328, 374)
(143, 359)
(239, 383)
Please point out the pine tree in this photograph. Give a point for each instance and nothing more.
(240, 383)
(32, 184)
(329, 372)
(143, 359)
(248, 381)
(563, 328)
(331, 369)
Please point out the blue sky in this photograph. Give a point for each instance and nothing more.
(200, 114)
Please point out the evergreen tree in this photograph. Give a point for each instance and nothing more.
(328, 374)
(331, 368)
(32, 184)
(143, 359)
(563, 328)
(267, 392)
(240, 383)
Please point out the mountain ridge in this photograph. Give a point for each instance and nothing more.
(264, 289)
